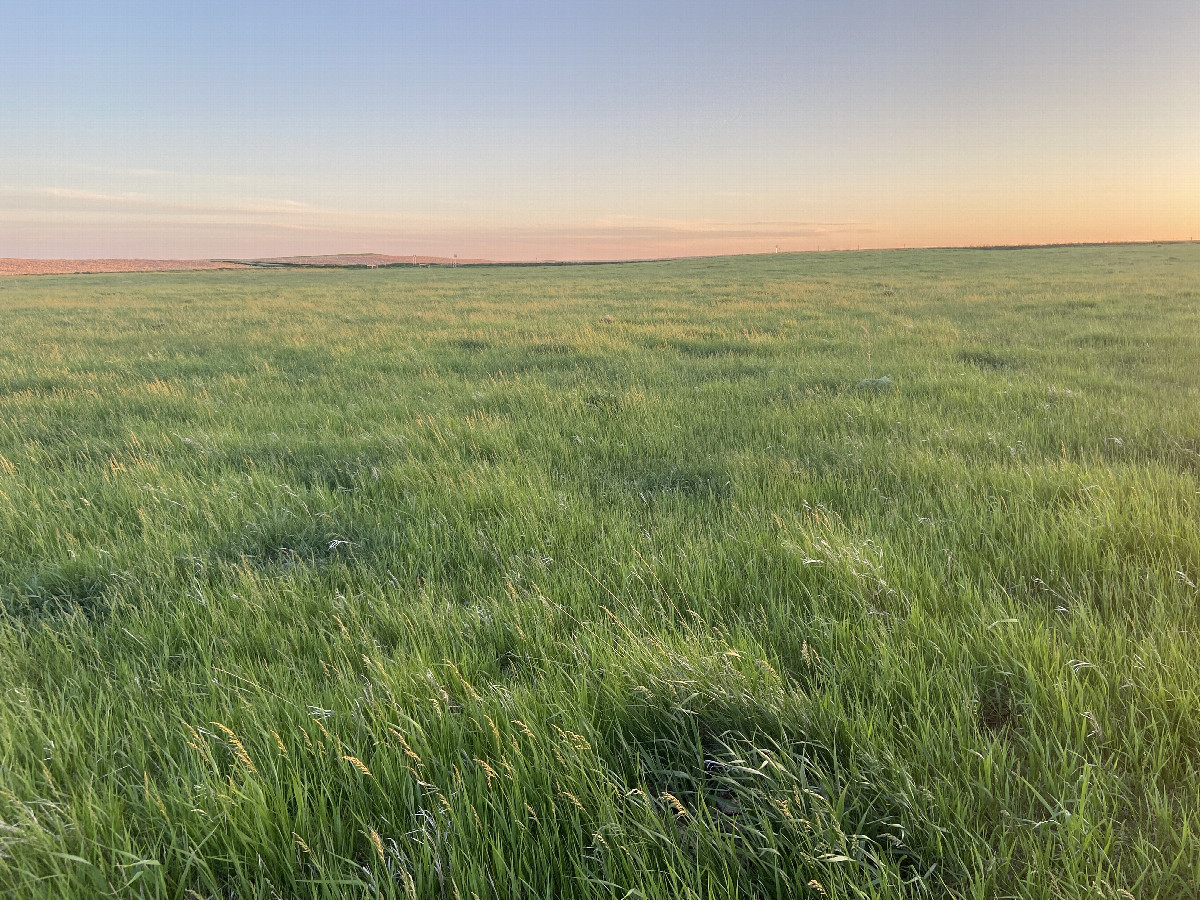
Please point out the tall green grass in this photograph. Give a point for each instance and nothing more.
(844, 575)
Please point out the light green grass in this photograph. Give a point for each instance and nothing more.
(605, 581)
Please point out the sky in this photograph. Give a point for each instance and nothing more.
(592, 130)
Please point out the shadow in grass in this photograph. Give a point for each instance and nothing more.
(1183, 455)
(803, 392)
(470, 345)
(725, 768)
(276, 547)
(881, 385)
(986, 360)
(660, 480)
(310, 467)
(604, 402)
(552, 348)
(999, 709)
(35, 386)
(64, 591)
(729, 370)
(1102, 340)
(549, 358)
(338, 475)
(709, 349)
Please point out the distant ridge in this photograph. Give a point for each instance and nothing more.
(353, 261)
(14, 266)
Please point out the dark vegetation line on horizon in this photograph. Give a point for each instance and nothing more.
(270, 263)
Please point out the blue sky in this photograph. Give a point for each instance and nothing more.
(592, 130)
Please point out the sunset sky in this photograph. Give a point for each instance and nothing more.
(521, 130)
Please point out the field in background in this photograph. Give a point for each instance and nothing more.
(10, 267)
(844, 575)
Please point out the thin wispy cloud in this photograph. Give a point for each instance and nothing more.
(60, 199)
(709, 228)
(57, 202)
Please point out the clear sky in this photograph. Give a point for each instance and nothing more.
(519, 130)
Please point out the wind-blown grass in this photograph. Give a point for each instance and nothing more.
(603, 582)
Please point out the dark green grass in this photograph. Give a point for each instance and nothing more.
(845, 575)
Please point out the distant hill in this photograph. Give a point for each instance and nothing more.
(356, 261)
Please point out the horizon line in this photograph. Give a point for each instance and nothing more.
(424, 260)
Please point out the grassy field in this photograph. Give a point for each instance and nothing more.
(843, 575)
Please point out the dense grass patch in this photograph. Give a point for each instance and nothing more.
(843, 575)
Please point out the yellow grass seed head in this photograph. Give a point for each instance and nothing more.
(197, 743)
(377, 843)
(466, 685)
(572, 798)
(491, 773)
(342, 626)
(324, 731)
(680, 809)
(408, 751)
(495, 730)
(238, 749)
(410, 884)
